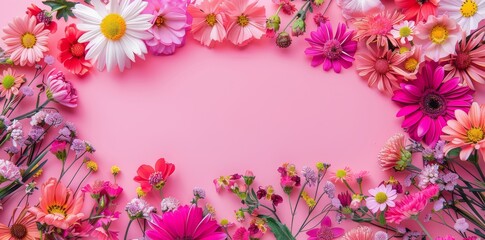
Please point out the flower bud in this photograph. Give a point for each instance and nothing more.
(298, 27)
(283, 40)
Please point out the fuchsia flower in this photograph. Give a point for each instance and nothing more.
(26, 40)
(170, 22)
(333, 51)
(325, 231)
(60, 90)
(466, 132)
(185, 223)
(411, 205)
(58, 206)
(247, 21)
(150, 177)
(417, 10)
(208, 22)
(428, 102)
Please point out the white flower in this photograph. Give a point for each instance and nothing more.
(467, 13)
(169, 204)
(438, 205)
(38, 118)
(381, 197)
(404, 31)
(461, 225)
(114, 31)
(359, 8)
(429, 174)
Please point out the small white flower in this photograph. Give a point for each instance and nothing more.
(429, 175)
(404, 31)
(169, 204)
(461, 225)
(381, 197)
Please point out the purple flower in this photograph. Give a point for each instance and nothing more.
(54, 119)
(310, 175)
(428, 103)
(329, 189)
(449, 181)
(325, 231)
(333, 51)
(138, 208)
(36, 133)
(461, 225)
(78, 146)
(199, 192)
(49, 60)
(380, 235)
(27, 91)
(438, 205)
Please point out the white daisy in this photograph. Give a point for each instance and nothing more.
(467, 13)
(404, 31)
(114, 31)
(381, 197)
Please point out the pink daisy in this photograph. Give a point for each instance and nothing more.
(247, 21)
(208, 22)
(169, 25)
(466, 132)
(377, 28)
(342, 175)
(359, 233)
(428, 102)
(333, 51)
(468, 60)
(438, 36)
(10, 83)
(26, 40)
(381, 197)
(417, 10)
(381, 67)
(326, 231)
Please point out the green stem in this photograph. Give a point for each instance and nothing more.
(31, 113)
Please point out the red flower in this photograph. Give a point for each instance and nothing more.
(42, 16)
(149, 177)
(73, 52)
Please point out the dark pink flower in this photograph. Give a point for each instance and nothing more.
(428, 103)
(333, 51)
(241, 234)
(325, 232)
(58, 148)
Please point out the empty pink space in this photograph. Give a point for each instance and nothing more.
(226, 110)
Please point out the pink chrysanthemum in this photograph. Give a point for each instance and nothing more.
(438, 36)
(333, 51)
(26, 40)
(10, 83)
(468, 60)
(326, 231)
(466, 132)
(208, 22)
(185, 223)
(410, 206)
(428, 102)
(381, 67)
(359, 233)
(247, 21)
(170, 22)
(377, 28)
(417, 10)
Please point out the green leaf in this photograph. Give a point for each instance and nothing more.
(454, 152)
(280, 231)
(63, 8)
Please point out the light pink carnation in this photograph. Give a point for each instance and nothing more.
(60, 90)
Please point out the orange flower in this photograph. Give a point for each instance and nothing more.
(58, 206)
(24, 228)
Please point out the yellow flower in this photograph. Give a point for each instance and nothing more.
(140, 193)
(310, 202)
(210, 209)
(38, 173)
(269, 192)
(224, 222)
(115, 170)
(261, 224)
(92, 165)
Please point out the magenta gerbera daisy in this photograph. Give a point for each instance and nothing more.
(187, 222)
(333, 51)
(428, 102)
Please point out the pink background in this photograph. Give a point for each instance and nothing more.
(219, 111)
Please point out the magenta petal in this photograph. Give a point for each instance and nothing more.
(402, 97)
(412, 119)
(313, 232)
(338, 232)
(407, 110)
(424, 126)
(326, 221)
(449, 85)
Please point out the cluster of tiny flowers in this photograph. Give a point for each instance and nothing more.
(169, 204)
(8, 171)
(139, 208)
(310, 175)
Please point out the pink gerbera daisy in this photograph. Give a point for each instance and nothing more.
(417, 10)
(247, 21)
(468, 61)
(208, 22)
(26, 40)
(381, 67)
(377, 28)
(169, 25)
(466, 132)
(428, 102)
(10, 83)
(438, 36)
(185, 223)
(326, 231)
(333, 51)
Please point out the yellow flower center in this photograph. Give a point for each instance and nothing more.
(28, 40)
(211, 19)
(403, 50)
(469, 8)
(242, 20)
(57, 210)
(8, 81)
(405, 32)
(438, 34)
(159, 21)
(411, 64)
(475, 135)
(341, 173)
(381, 197)
(113, 26)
